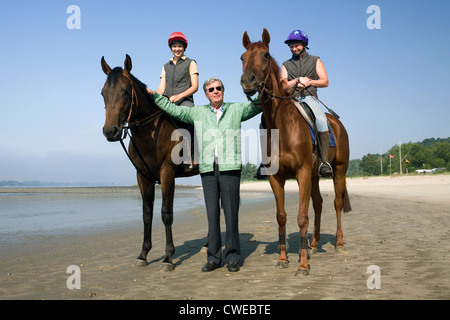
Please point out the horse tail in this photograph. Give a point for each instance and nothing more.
(347, 206)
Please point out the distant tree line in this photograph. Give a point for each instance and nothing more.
(248, 171)
(428, 154)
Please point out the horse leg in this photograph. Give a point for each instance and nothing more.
(147, 189)
(278, 191)
(304, 183)
(339, 190)
(317, 205)
(168, 190)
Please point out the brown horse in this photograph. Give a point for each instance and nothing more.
(127, 102)
(295, 150)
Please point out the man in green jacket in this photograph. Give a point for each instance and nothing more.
(218, 130)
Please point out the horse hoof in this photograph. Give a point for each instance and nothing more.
(302, 272)
(140, 263)
(340, 249)
(166, 267)
(313, 251)
(282, 264)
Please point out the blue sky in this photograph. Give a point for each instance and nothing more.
(389, 85)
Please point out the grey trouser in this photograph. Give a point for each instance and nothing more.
(222, 187)
(321, 118)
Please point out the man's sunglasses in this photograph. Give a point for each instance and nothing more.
(219, 88)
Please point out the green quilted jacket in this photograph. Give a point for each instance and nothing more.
(224, 134)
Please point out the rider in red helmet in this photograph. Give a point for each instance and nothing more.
(308, 72)
(179, 80)
(179, 76)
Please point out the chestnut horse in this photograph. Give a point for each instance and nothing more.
(295, 150)
(127, 102)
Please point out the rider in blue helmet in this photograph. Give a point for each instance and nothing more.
(297, 36)
(307, 72)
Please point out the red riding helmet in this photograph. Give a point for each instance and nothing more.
(178, 37)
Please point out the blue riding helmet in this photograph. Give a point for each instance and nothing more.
(297, 36)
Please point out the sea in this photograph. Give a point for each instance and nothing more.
(30, 214)
(76, 211)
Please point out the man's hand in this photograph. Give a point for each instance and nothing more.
(175, 98)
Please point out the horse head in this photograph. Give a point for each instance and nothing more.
(255, 63)
(118, 98)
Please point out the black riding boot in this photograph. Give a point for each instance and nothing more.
(325, 169)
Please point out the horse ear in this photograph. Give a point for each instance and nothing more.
(127, 63)
(245, 40)
(266, 37)
(106, 69)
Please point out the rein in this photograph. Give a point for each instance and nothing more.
(262, 88)
(135, 124)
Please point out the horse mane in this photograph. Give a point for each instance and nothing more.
(276, 72)
(116, 74)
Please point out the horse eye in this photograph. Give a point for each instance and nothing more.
(267, 55)
(125, 92)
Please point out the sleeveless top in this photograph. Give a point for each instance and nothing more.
(305, 67)
(178, 79)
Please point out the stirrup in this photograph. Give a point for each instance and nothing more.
(188, 167)
(258, 174)
(326, 174)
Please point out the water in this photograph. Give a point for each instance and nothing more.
(30, 215)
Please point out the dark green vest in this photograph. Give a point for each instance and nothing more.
(178, 79)
(305, 67)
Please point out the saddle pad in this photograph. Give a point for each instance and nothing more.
(311, 125)
(332, 140)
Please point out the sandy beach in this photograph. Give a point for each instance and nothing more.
(398, 224)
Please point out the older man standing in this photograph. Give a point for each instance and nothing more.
(217, 127)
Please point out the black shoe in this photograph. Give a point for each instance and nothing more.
(233, 266)
(210, 266)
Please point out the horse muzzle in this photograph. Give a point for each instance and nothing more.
(249, 84)
(112, 133)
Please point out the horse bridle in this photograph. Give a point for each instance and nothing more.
(135, 124)
(262, 88)
(135, 101)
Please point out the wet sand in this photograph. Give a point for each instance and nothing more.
(398, 224)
